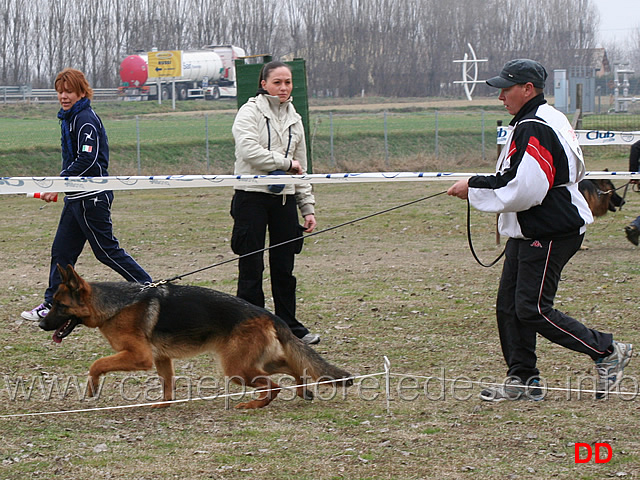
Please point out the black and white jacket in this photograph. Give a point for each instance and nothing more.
(535, 188)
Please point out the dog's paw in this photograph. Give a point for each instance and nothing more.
(91, 390)
(253, 404)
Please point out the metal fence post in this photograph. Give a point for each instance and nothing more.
(206, 130)
(138, 143)
(386, 141)
(436, 149)
(333, 159)
(483, 142)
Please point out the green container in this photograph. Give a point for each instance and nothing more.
(247, 75)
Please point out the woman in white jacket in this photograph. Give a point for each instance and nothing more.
(269, 138)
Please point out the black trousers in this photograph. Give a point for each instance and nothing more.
(253, 213)
(528, 286)
(89, 220)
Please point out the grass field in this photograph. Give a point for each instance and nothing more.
(401, 285)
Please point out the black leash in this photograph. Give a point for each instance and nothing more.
(624, 195)
(473, 252)
(350, 222)
(612, 190)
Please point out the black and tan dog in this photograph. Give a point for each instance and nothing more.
(600, 195)
(157, 324)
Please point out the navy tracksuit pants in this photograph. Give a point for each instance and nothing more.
(528, 286)
(89, 220)
(253, 213)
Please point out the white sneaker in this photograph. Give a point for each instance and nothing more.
(514, 389)
(311, 339)
(610, 369)
(37, 313)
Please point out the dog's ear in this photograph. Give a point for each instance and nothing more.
(70, 278)
(63, 273)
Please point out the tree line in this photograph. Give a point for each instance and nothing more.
(381, 47)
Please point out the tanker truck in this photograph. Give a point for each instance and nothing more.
(208, 73)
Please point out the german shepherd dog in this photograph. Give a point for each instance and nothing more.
(600, 195)
(153, 325)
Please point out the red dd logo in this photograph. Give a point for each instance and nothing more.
(595, 452)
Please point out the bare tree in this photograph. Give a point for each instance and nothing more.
(6, 32)
(634, 49)
(381, 47)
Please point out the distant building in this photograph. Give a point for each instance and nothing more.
(596, 58)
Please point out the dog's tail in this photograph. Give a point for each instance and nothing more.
(306, 362)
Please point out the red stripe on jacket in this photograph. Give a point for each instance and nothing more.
(543, 157)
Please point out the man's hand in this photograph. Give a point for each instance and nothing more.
(459, 189)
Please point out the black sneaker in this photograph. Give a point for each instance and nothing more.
(632, 233)
(535, 391)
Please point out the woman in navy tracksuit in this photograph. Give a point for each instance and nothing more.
(86, 215)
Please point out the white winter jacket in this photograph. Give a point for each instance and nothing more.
(268, 135)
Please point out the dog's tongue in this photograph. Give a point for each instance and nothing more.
(55, 337)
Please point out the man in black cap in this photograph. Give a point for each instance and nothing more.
(535, 191)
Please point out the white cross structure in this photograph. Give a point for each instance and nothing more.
(469, 71)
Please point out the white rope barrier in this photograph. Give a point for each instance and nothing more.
(226, 397)
(29, 185)
(388, 397)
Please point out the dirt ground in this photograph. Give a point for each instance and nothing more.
(401, 285)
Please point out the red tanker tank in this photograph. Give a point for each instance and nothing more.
(133, 71)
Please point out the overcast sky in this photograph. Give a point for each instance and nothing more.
(618, 18)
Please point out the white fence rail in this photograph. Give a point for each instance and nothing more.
(24, 93)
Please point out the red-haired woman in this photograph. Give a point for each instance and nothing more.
(86, 216)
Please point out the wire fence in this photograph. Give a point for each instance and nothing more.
(196, 143)
(434, 140)
(338, 141)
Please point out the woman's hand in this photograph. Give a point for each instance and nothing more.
(49, 197)
(309, 223)
(296, 168)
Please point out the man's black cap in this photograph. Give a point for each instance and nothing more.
(519, 72)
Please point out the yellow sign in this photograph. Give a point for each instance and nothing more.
(165, 64)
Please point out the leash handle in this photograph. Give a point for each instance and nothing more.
(473, 252)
